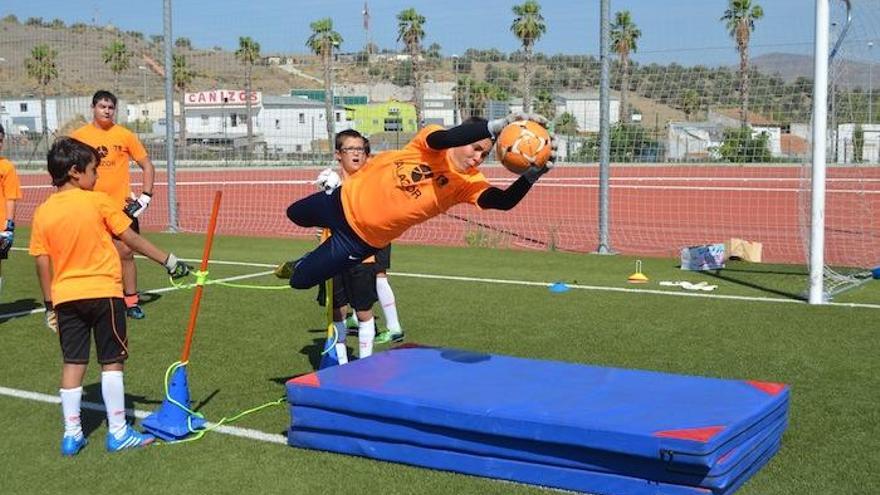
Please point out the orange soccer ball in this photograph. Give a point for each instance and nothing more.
(523, 144)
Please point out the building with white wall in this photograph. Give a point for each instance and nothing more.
(281, 124)
(24, 115)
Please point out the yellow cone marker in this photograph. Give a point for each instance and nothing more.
(638, 277)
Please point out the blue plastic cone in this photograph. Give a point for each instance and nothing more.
(558, 287)
(875, 273)
(172, 422)
(329, 357)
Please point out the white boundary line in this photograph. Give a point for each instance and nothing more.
(164, 289)
(543, 284)
(92, 406)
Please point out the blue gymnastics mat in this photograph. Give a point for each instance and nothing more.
(572, 426)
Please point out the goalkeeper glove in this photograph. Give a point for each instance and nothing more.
(137, 205)
(328, 180)
(176, 268)
(51, 317)
(533, 173)
(498, 125)
(6, 239)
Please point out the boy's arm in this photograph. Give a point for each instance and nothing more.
(10, 210)
(175, 267)
(137, 205)
(44, 275)
(458, 136)
(149, 174)
(494, 198)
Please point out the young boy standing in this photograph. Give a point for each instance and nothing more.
(117, 147)
(81, 278)
(10, 192)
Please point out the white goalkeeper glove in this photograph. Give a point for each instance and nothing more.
(51, 317)
(328, 180)
(137, 204)
(498, 125)
(175, 267)
(533, 173)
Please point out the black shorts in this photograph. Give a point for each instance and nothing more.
(135, 226)
(356, 287)
(78, 319)
(383, 259)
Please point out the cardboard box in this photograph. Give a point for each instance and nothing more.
(743, 249)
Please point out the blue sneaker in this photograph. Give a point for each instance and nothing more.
(135, 312)
(70, 446)
(131, 440)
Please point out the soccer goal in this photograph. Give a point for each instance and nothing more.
(842, 213)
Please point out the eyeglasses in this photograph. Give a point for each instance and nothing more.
(353, 150)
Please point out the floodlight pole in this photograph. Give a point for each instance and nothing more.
(820, 125)
(169, 120)
(604, 125)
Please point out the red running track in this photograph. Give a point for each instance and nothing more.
(654, 210)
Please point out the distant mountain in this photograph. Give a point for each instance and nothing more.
(848, 74)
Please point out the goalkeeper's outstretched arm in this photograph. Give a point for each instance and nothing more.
(494, 198)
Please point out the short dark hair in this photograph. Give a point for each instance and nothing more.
(351, 133)
(67, 153)
(103, 94)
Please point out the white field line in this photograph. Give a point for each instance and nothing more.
(627, 290)
(92, 406)
(600, 288)
(164, 289)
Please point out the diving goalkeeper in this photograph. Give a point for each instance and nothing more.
(395, 190)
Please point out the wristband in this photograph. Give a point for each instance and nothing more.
(48, 305)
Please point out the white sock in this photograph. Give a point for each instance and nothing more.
(341, 349)
(389, 305)
(366, 334)
(71, 398)
(113, 390)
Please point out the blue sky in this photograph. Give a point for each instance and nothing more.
(683, 31)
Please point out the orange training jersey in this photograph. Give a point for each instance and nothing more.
(398, 189)
(10, 187)
(73, 228)
(117, 146)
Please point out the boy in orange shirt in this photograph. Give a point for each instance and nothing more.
(81, 278)
(10, 192)
(117, 146)
(398, 189)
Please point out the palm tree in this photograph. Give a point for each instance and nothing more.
(740, 18)
(322, 42)
(409, 30)
(566, 124)
(183, 77)
(624, 35)
(41, 67)
(545, 105)
(690, 102)
(248, 53)
(117, 56)
(528, 26)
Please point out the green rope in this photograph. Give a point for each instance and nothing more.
(199, 433)
(202, 280)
